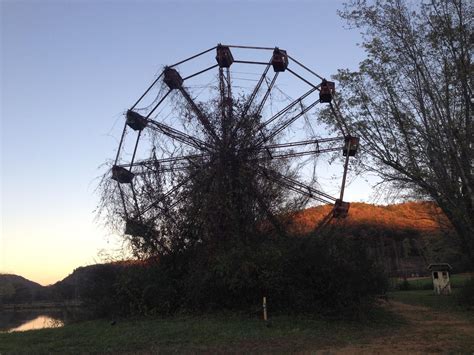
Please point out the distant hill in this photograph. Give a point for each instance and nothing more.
(17, 289)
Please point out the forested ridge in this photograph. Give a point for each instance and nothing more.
(404, 238)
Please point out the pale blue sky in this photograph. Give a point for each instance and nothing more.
(71, 68)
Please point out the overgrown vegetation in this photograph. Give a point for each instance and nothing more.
(466, 294)
(325, 275)
(222, 241)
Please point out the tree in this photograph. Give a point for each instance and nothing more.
(410, 101)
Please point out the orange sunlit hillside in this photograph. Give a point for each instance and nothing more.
(421, 216)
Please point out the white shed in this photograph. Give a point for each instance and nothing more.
(440, 276)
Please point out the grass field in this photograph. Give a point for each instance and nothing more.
(413, 321)
(209, 334)
(426, 283)
(427, 298)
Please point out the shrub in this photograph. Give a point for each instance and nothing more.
(466, 294)
(404, 285)
(330, 275)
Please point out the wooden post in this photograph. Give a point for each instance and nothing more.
(265, 318)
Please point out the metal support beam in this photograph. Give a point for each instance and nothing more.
(200, 115)
(285, 109)
(192, 57)
(287, 123)
(179, 136)
(200, 72)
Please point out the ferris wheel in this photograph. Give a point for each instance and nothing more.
(170, 127)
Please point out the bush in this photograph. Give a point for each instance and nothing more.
(465, 295)
(404, 285)
(324, 275)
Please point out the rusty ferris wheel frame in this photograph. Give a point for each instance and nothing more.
(128, 174)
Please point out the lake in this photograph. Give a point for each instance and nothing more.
(28, 319)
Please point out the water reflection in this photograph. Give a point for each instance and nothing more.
(39, 323)
(21, 320)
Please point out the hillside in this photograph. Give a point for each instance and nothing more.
(14, 288)
(418, 216)
(403, 238)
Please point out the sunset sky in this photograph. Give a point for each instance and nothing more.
(70, 69)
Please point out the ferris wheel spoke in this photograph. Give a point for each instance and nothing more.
(248, 104)
(304, 188)
(179, 136)
(286, 108)
(153, 161)
(200, 115)
(285, 124)
(300, 154)
(298, 189)
(169, 193)
(311, 190)
(267, 94)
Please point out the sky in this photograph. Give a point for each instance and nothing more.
(70, 69)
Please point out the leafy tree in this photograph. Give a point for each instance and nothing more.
(410, 101)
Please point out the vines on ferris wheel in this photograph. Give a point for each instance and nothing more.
(156, 185)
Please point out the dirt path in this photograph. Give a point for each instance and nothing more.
(428, 331)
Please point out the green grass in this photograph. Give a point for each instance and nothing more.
(205, 333)
(427, 298)
(426, 283)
